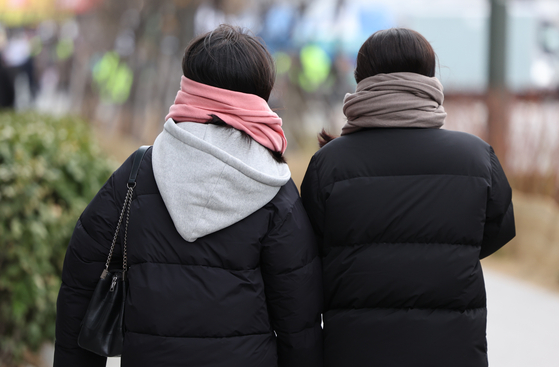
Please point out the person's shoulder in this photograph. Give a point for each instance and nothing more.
(122, 173)
(286, 198)
(334, 148)
(287, 194)
(466, 143)
(461, 136)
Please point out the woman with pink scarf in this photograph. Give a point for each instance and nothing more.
(223, 268)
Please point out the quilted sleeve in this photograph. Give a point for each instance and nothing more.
(499, 223)
(310, 195)
(293, 285)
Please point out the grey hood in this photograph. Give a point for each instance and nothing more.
(211, 177)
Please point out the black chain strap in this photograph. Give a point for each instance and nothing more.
(124, 253)
(126, 208)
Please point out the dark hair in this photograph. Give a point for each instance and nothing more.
(391, 51)
(229, 58)
(395, 50)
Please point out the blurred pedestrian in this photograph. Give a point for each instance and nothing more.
(403, 212)
(223, 263)
(7, 90)
(19, 59)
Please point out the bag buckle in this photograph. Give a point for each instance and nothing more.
(113, 284)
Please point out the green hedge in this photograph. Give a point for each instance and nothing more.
(50, 168)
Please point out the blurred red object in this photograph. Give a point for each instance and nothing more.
(77, 6)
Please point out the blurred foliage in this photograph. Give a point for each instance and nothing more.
(50, 168)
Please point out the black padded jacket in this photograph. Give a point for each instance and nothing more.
(403, 217)
(247, 295)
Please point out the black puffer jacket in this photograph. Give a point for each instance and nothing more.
(403, 217)
(218, 301)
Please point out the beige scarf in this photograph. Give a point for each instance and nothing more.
(394, 100)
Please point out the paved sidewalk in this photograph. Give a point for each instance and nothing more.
(522, 325)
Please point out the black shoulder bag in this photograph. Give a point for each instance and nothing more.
(102, 330)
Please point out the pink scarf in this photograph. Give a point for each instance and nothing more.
(195, 102)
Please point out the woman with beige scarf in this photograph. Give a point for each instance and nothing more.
(404, 211)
